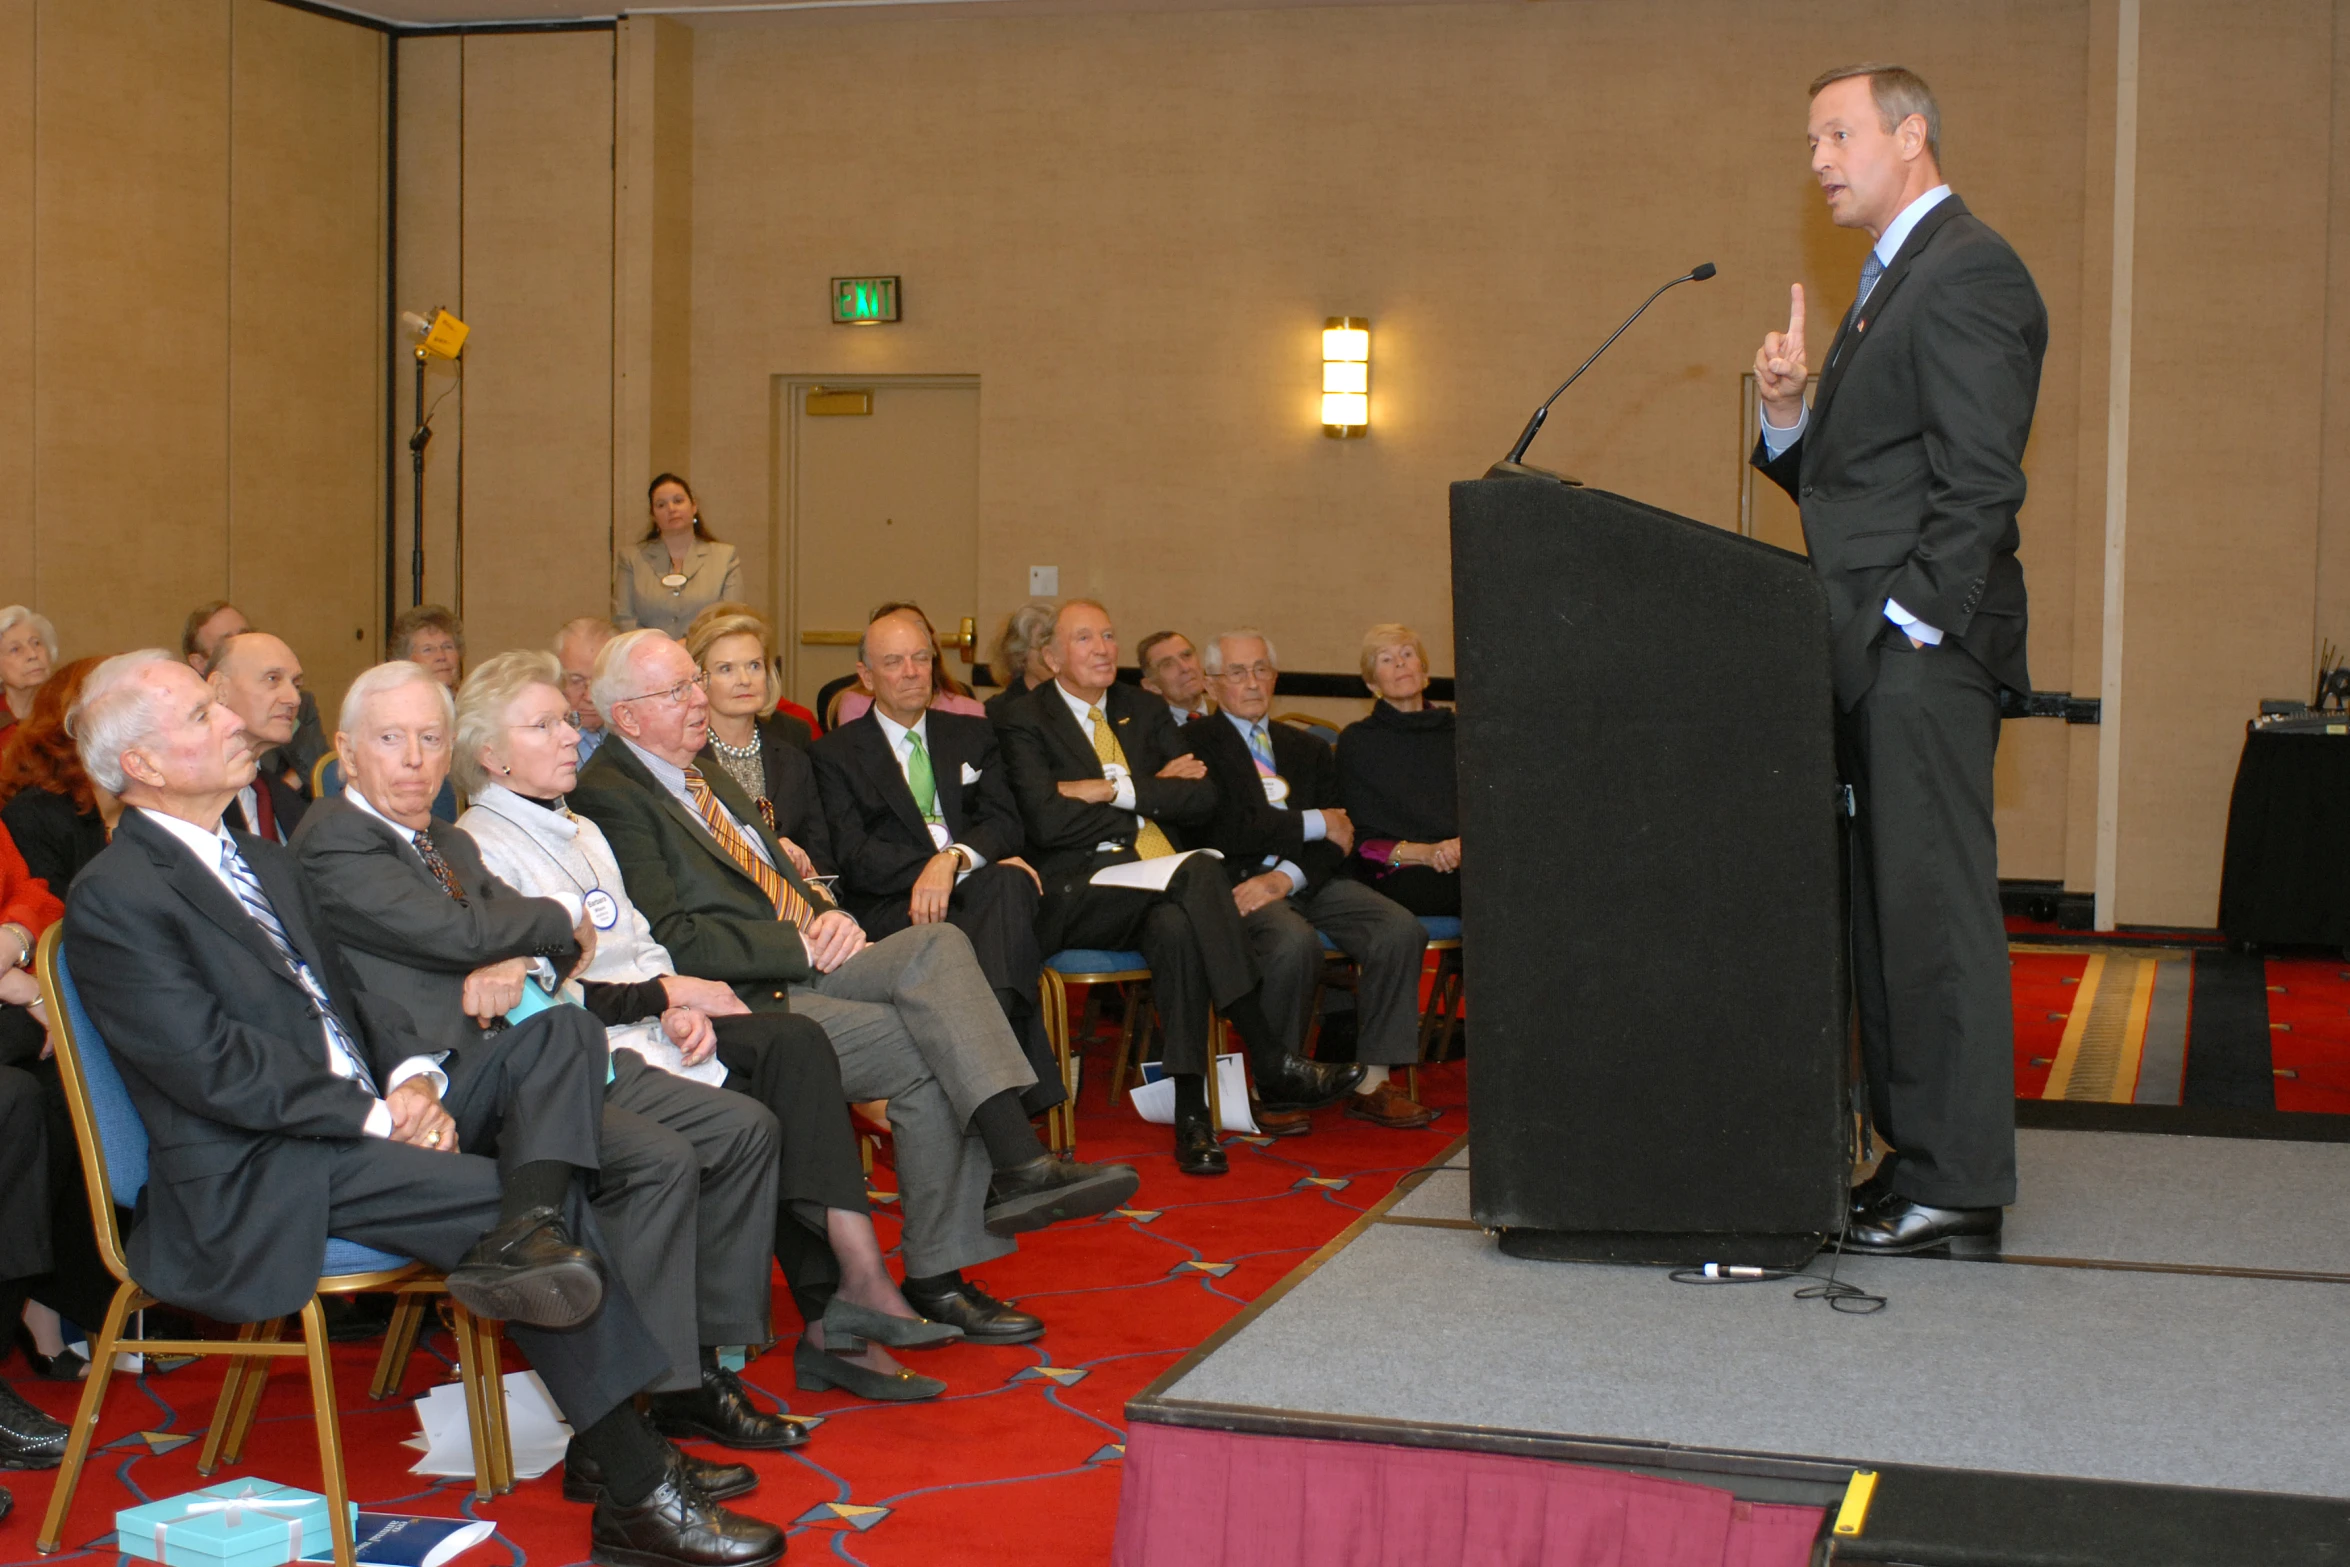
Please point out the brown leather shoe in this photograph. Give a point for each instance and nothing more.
(1389, 1105)
(1284, 1123)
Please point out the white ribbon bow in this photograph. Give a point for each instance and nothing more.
(234, 1509)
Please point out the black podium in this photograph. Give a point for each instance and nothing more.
(1652, 886)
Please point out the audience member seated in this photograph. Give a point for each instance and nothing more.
(28, 651)
(1013, 660)
(1101, 775)
(947, 694)
(803, 726)
(430, 636)
(516, 745)
(28, 1438)
(686, 1194)
(254, 1060)
(576, 647)
(764, 752)
(910, 1016)
(58, 817)
(1283, 837)
(922, 822)
(210, 625)
(1171, 672)
(677, 569)
(257, 677)
(1395, 779)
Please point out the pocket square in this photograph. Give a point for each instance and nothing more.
(970, 773)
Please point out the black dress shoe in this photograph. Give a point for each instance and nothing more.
(1197, 1152)
(721, 1409)
(1047, 1190)
(583, 1478)
(527, 1270)
(1900, 1226)
(1294, 1083)
(64, 1366)
(28, 1438)
(983, 1318)
(1873, 1191)
(677, 1526)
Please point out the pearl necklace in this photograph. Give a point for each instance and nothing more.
(736, 753)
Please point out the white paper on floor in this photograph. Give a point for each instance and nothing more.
(1155, 1101)
(533, 1426)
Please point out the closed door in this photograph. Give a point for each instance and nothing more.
(882, 482)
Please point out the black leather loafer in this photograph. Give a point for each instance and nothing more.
(677, 1526)
(721, 1409)
(528, 1270)
(1294, 1083)
(1900, 1227)
(1047, 1190)
(583, 1480)
(983, 1318)
(28, 1438)
(1197, 1152)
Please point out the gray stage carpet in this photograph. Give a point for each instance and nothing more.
(2176, 1378)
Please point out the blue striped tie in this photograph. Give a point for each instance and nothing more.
(256, 902)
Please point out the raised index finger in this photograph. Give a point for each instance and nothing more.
(1795, 312)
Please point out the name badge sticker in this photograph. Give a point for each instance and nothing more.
(674, 581)
(1276, 788)
(603, 910)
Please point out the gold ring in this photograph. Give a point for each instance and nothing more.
(432, 1139)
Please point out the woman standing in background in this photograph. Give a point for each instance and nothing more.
(676, 570)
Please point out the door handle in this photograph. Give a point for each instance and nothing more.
(831, 638)
(966, 638)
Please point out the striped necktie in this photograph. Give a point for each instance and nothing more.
(790, 907)
(248, 890)
(1149, 841)
(1870, 270)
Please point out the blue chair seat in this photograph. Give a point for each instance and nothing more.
(1441, 927)
(350, 1257)
(1076, 962)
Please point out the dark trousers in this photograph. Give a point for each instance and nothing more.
(1191, 937)
(1929, 945)
(433, 1206)
(519, 1095)
(24, 1176)
(1388, 947)
(1420, 889)
(787, 1064)
(996, 907)
(48, 1251)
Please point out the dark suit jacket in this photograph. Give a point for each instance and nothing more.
(1043, 743)
(55, 839)
(878, 836)
(791, 786)
(1247, 827)
(1910, 472)
(408, 939)
(702, 906)
(226, 1061)
(288, 805)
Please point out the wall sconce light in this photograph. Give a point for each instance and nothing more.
(1346, 377)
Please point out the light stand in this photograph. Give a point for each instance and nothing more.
(443, 337)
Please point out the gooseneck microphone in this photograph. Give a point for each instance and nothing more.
(1511, 466)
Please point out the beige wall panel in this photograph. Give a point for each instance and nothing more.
(672, 255)
(429, 273)
(306, 310)
(130, 339)
(2333, 548)
(2035, 760)
(1132, 227)
(18, 536)
(538, 293)
(2223, 483)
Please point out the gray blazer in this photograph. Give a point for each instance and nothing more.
(712, 573)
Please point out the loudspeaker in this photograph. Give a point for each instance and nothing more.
(1652, 883)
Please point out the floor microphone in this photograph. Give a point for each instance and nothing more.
(1511, 466)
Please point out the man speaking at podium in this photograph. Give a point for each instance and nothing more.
(1909, 469)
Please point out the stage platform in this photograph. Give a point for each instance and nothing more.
(2156, 1368)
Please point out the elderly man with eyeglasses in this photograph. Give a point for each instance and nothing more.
(911, 1016)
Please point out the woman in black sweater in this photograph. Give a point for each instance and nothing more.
(1395, 779)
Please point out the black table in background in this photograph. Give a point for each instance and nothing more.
(2286, 879)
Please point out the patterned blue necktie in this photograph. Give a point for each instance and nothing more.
(1260, 744)
(256, 902)
(1870, 270)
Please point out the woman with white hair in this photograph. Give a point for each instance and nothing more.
(1395, 779)
(28, 651)
(518, 752)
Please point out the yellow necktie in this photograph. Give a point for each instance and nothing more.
(1149, 841)
(790, 907)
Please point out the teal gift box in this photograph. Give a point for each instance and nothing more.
(237, 1523)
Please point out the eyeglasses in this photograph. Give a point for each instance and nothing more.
(548, 726)
(674, 694)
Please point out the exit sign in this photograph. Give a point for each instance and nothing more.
(865, 301)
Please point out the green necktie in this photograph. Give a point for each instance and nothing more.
(920, 778)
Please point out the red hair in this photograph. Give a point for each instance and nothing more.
(39, 754)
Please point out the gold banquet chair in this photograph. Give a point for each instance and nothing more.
(113, 1144)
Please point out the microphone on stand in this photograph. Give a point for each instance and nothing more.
(1511, 466)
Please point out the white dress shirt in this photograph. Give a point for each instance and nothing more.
(1316, 828)
(206, 847)
(672, 778)
(901, 746)
(1776, 440)
(1082, 711)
